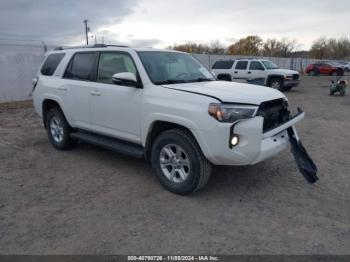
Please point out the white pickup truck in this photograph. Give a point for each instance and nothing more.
(163, 106)
(259, 71)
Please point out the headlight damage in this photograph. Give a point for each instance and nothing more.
(230, 113)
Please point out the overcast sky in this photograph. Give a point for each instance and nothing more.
(161, 23)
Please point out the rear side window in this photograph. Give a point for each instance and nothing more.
(241, 65)
(223, 64)
(255, 65)
(51, 63)
(81, 66)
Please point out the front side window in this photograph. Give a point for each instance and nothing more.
(270, 65)
(81, 66)
(112, 63)
(241, 65)
(51, 63)
(172, 67)
(255, 65)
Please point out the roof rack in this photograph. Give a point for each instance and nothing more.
(93, 46)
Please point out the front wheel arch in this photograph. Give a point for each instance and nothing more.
(157, 128)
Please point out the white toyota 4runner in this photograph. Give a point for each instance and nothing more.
(259, 71)
(161, 105)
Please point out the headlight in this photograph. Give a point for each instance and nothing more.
(288, 77)
(231, 113)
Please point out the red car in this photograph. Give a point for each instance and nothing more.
(324, 69)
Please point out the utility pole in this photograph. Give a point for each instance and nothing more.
(86, 31)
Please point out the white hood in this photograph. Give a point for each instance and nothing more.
(231, 92)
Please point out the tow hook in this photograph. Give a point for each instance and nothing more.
(304, 162)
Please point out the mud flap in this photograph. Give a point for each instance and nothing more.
(304, 162)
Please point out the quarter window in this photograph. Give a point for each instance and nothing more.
(81, 66)
(255, 65)
(223, 64)
(51, 63)
(113, 63)
(241, 65)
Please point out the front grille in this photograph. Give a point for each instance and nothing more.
(274, 112)
(296, 77)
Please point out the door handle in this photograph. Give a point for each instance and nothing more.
(95, 93)
(236, 72)
(249, 72)
(62, 88)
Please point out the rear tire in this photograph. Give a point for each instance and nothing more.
(315, 72)
(224, 78)
(179, 162)
(58, 130)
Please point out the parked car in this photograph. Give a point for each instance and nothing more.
(345, 65)
(324, 68)
(163, 106)
(257, 71)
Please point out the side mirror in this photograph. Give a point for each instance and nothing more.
(126, 79)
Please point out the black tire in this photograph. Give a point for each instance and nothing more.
(331, 93)
(224, 78)
(55, 115)
(335, 73)
(276, 83)
(199, 167)
(315, 72)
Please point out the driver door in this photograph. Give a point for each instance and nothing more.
(115, 108)
(256, 70)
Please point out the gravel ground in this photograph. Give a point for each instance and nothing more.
(92, 201)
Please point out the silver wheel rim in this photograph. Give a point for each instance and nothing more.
(275, 85)
(56, 129)
(174, 163)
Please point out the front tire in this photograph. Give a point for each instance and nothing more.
(335, 73)
(179, 162)
(276, 83)
(58, 130)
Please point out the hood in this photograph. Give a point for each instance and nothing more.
(284, 71)
(230, 92)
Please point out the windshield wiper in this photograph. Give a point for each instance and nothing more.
(170, 81)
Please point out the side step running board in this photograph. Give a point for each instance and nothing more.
(110, 143)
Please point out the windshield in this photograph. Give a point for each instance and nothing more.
(172, 68)
(270, 65)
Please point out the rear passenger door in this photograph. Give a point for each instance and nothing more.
(240, 71)
(115, 108)
(77, 85)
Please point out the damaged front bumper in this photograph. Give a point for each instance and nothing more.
(256, 145)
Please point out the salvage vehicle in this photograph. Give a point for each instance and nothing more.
(163, 106)
(256, 71)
